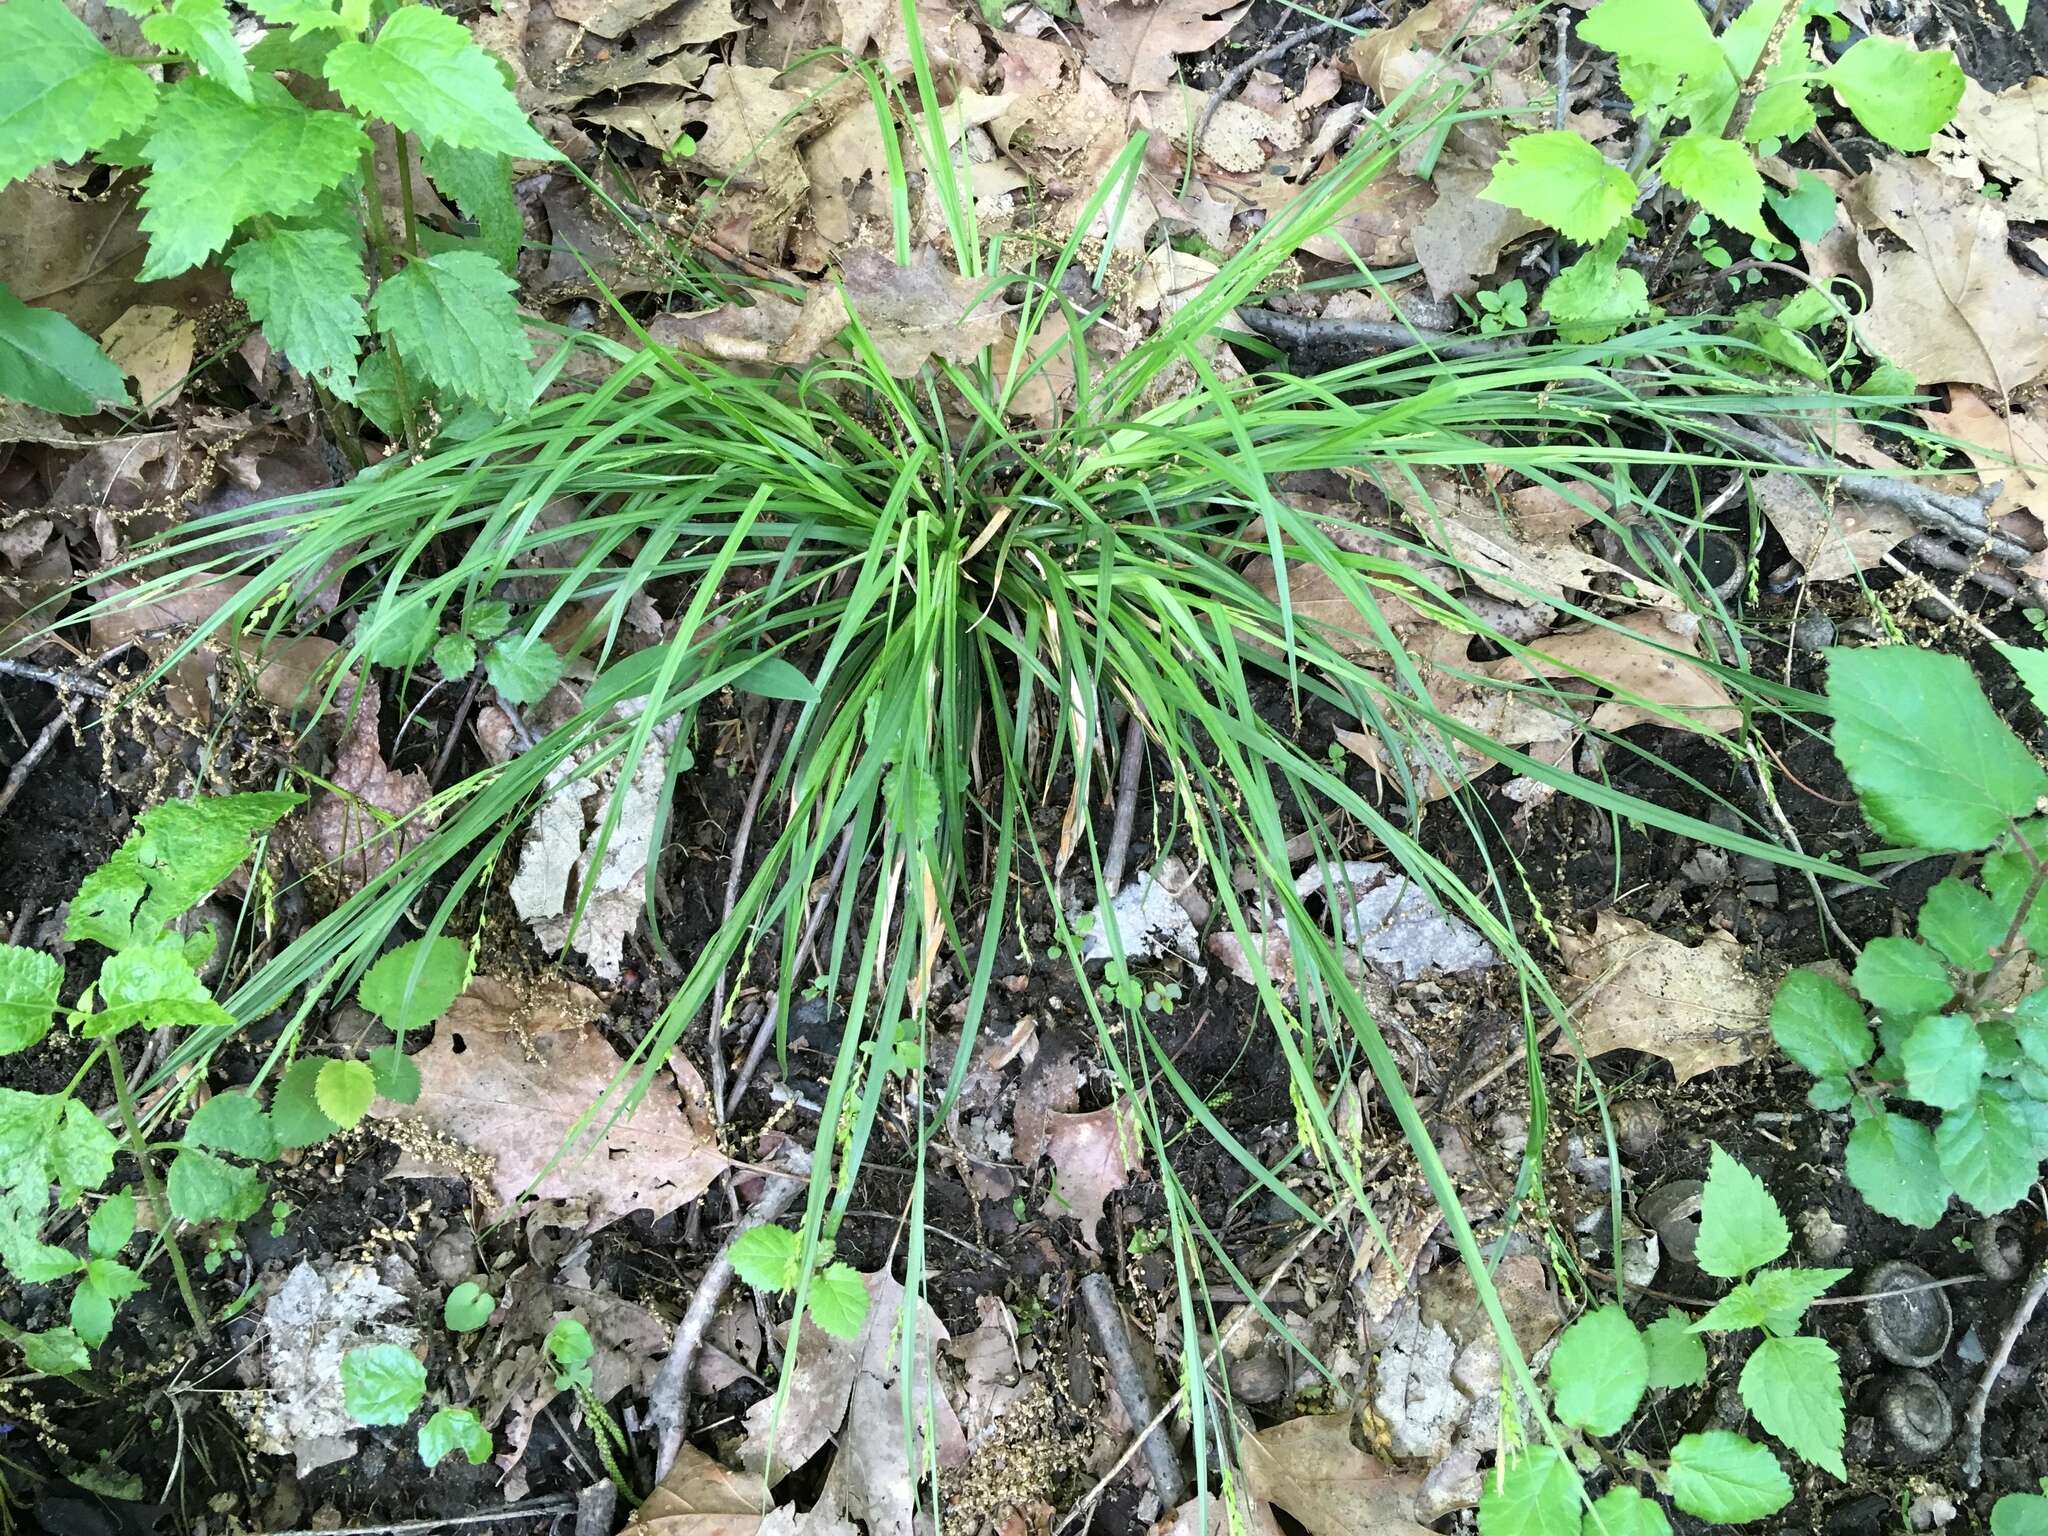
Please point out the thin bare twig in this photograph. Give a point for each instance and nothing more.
(1106, 1321)
(58, 677)
(1980, 1400)
(26, 763)
(1128, 773)
(530, 1509)
(595, 1506)
(758, 1047)
(668, 1404)
(462, 708)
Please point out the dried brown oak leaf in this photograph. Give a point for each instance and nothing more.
(359, 825)
(1831, 536)
(2009, 449)
(1697, 1006)
(1648, 660)
(1310, 1468)
(750, 134)
(2007, 135)
(515, 1092)
(1950, 306)
(912, 314)
(1135, 45)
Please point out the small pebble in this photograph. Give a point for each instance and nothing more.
(1815, 632)
(451, 1257)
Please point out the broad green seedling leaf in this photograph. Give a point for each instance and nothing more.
(2017, 1514)
(1595, 296)
(1892, 1163)
(56, 1352)
(523, 668)
(569, 1346)
(1794, 1387)
(1808, 210)
(1676, 1357)
(306, 288)
(295, 1109)
(1933, 764)
(1740, 1225)
(768, 1258)
(111, 1225)
(1784, 1295)
(61, 93)
(480, 183)
(454, 1429)
(201, 1187)
(1899, 93)
(344, 1090)
(1963, 923)
(455, 656)
(202, 32)
(838, 1300)
(468, 1307)
(416, 983)
(382, 1383)
(29, 983)
(215, 161)
(1988, 1153)
(1561, 180)
(1536, 1496)
(1944, 1058)
(397, 1077)
(1819, 1025)
(49, 363)
(1623, 1511)
(1902, 977)
(1599, 1372)
(1721, 177)
(1721, 1477)
(452, 317)
(233, 1122)
(424, 73)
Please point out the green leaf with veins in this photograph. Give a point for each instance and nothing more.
(1899, 93)
(1944, 1058)
(1830, 1093)
(1892, 1163)
(1785, 1295)
(1623, 1511)
(295, 1107)
(1599, 1372)
(201, 31)
(1794, 1388)
(1721, 177)
(105, 1285)
(306, 288)
(1987, 1150)
(396, 1074)
(1740, 1226)
(61, 93)
(2020, 1514)
(344, 1090)
(838, 1301)
(1808, 210)
(1963, 923)
(29, 983)
(201, 1187)
(1676, 1357)
(454, 1429)
(452, 316)
(304, 17)
(416, 983)
(1902, 976)
(152, 984)
(215, 161)
(468, 1307)
(382, 1384)
(569, 1347)
(55, 1352)
(768, 1257)
(233, 1122)
(1721, 1477)
(1670, 37)
(424, 73)
(179, 852)
(1536, 1495)
(1596, 296)
(1932, 763)
(455, 656)
(1739, 1309)
(480, 184)
(49, 363)
(1560, 180)
(1819, 1025)
(110, 1226)
(523, 668)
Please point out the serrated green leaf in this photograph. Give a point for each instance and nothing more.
(233, 1122)
(1944, 1060)
(479, 183)
(110, 1226)
(1663, 42)
(1901, 976)
(1740, 1225)
(202, 1187)
(1721, 1477)
(1536, 1495)
(1599, 1372)
(344, 1090)
(1721, 176)
(414, 984)
(2031, 663)
(1829, 1093)
(49, 363)
(1819, 1025)
(61, 93)
(1560, 180)
(1933, 764)
(1987, 1150)
(1808, 210)
(468, 1307)
(397, 1075)
(81, 1150)
(1784, 1295)
(179, 851)
(1794, 1388)
(152, 984)
(1623, 1511)
(1739, 1309)
(399, 631)
(523, 668)
(55, 1352)
(424, 73)
(455, 656)
(306, 288)
(1594, 297)
(1676, 1357)
(452, 317)
(1892, 1163)
(295, 1110)
(839, 1300)
(767, 1258)
(216, 160)
(43, 1263)
(201, 31)
(382, 1384)
(29, 983)
(92, 1316)
(486, 618)
(1899, 93)
(454, 1429)
(1963, 923)
(306, 18)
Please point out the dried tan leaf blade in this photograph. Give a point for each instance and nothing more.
(1697, 1006)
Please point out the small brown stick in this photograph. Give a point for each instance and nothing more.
(56, 677)
(455, 726)
(1106, 1322)
(1232, 82)
(26, 763)
(1128, 773)
(530, 1509)
(714, 1040)
(1296, 334)
(1980, 1400)
(668, 1404)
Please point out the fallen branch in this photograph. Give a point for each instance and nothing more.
(1106, 1322)
(1980, 1400)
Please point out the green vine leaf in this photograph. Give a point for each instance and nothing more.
(61, 93)
(1560, 180)
(233, 1122)
(49, 363)
(413, 985)
(201, 31)
(1596, 296)
(838, 1299)
(306, 288)
(452, 317)
(1902, 976)
(1721, 177)
(424, 73)
(1899, 93)
(767, 1258)
(468, 1307)
(1599, 1372)
(1623, 1511)
(1723, 1478)
(523, 668)
(295, 1109)
(1819, 1026)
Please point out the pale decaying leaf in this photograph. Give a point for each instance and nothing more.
(1518, 548)
(751, 129)
(153, 345)
(1387, 922)
(1311, 1468)
(1240, 137)
(915, 313)
(1830, 536)
(1949, 305)
(2006, 134)
(1461, 239)
(511, 1095)
(1148, 918)
(1095, 1155)
(856, 1390)
(702, 1497)
(1649, 660)
(695, 21)
(356, 827)
(2011, 450)
(1697, 1006)
(1134, 44)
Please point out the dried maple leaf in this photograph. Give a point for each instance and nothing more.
(1135, 45)
(516, 1096)
(153, 345)
(1095, 1155)
(1951, 307)
(1696, 1006)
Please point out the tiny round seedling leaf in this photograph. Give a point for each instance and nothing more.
(454, 1429)
(382, 1384)
(468, 1307)
(570, 1348)
(1599, 1372)
(344, 1090)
